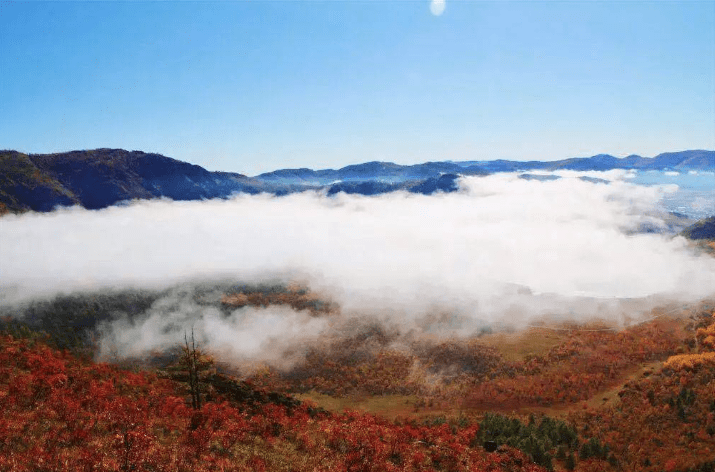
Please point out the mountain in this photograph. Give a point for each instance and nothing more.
(687, 160)
(102, 177)
(99, 178)
(385, 172)
(23, 186)
(443, 183)
(677, 161)
(393, 173)
(703, 229)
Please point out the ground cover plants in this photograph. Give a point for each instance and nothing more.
(586, 398)
(63, 413)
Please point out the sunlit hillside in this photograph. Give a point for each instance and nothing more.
(561, 396)
(61, 413)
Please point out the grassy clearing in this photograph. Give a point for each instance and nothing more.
(532, 341)
(388, 406)
(609, 397)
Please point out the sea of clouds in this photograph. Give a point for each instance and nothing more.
(500, 250)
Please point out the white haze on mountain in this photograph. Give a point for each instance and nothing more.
(500, 250)
(247, 334)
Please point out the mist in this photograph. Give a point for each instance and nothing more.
(501, 250)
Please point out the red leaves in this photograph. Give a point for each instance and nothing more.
(575, 370)
(173, 406)
(257, 464)
(62, 414)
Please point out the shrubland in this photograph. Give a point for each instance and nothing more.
(589, 398)
(64, 413)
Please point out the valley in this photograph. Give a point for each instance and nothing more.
(613, 385)
(357, 236)
(169, 318)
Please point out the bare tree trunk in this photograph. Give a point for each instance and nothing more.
(193, 361)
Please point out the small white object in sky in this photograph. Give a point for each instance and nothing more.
(437, 7)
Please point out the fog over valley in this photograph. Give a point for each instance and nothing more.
(501, 251)
(375, 236)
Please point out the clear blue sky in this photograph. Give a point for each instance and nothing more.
(252, 86)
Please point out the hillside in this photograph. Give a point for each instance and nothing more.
(24, 186)
(102, 177)
(574, 397)
(703, 229)
(61, 413)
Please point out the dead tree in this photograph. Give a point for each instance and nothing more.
(191, 359)
(194, 368)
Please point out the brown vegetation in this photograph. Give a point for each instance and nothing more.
(642, 399)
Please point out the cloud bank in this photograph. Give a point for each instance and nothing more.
(502, 249)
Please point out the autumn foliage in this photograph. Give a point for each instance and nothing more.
(61, 413)
(578, 368)
(664, 420)
(472, 373)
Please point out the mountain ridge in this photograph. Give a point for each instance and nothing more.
(99, 178)
(697, 159)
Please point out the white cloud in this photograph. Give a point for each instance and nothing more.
(242, 335)
(501, 249)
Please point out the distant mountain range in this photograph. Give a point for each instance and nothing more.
(389, 172)
(99, 178)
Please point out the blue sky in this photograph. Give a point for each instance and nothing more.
(252, 86)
